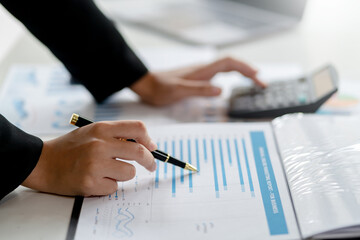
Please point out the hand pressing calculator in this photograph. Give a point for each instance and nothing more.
(305, 94)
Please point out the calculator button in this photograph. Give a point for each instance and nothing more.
(260, 104)
(243, 103)
(282, 103)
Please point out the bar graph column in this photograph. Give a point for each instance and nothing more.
(197, 155)
(182, 159)
(205, 150)
(157, 173)
(229, 152)
(241, 178)
(248, 169)
(173, 188)
(222, 165)
(189, 160)
(216, 184)
(165, 166)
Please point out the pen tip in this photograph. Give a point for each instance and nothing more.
(190, 167)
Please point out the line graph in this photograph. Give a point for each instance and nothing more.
(123, 220)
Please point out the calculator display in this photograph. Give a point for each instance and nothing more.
(323, 83)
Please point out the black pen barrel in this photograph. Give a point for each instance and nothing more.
(159, 156)
(162, 156)
(176, 162)
(167, 158)
(82, 122)
(79, 121)
(161, 152)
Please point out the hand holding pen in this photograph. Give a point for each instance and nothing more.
(162, 156)
(83, 162)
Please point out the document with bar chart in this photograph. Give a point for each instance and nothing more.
(240, 190)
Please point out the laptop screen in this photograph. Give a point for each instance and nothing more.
(293, 8)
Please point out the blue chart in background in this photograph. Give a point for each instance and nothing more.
(108, 111)
(24, 78)
(19, 105)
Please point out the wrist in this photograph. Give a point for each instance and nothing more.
(38, 178)
(144, 87)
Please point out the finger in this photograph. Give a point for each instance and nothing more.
(222, 65)
(208, 71)
(132, 151)
(258, 82)
(184, 71)
(104, 186)
(135, 130)
(119, 170)
(186, 88)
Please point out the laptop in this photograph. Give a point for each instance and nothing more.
(209, 22)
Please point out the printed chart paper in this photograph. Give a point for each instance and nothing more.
(239, 193)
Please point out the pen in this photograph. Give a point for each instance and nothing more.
(78, 121)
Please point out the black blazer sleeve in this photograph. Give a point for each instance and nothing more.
(19, 154)
(84, 40)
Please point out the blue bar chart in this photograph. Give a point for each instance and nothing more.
(221, 154)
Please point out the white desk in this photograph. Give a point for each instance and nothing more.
(329, 32)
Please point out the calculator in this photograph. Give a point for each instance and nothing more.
(303, 94)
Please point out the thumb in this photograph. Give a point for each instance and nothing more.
(187, 88)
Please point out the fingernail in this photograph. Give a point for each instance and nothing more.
(153, 146)
(153, 167)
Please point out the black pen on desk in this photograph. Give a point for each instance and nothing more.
(162, 156)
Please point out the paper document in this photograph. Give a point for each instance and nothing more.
(239, 192)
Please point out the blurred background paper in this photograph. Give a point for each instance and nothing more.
(40, 99)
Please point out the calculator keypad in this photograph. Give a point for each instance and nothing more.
(276, 95)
